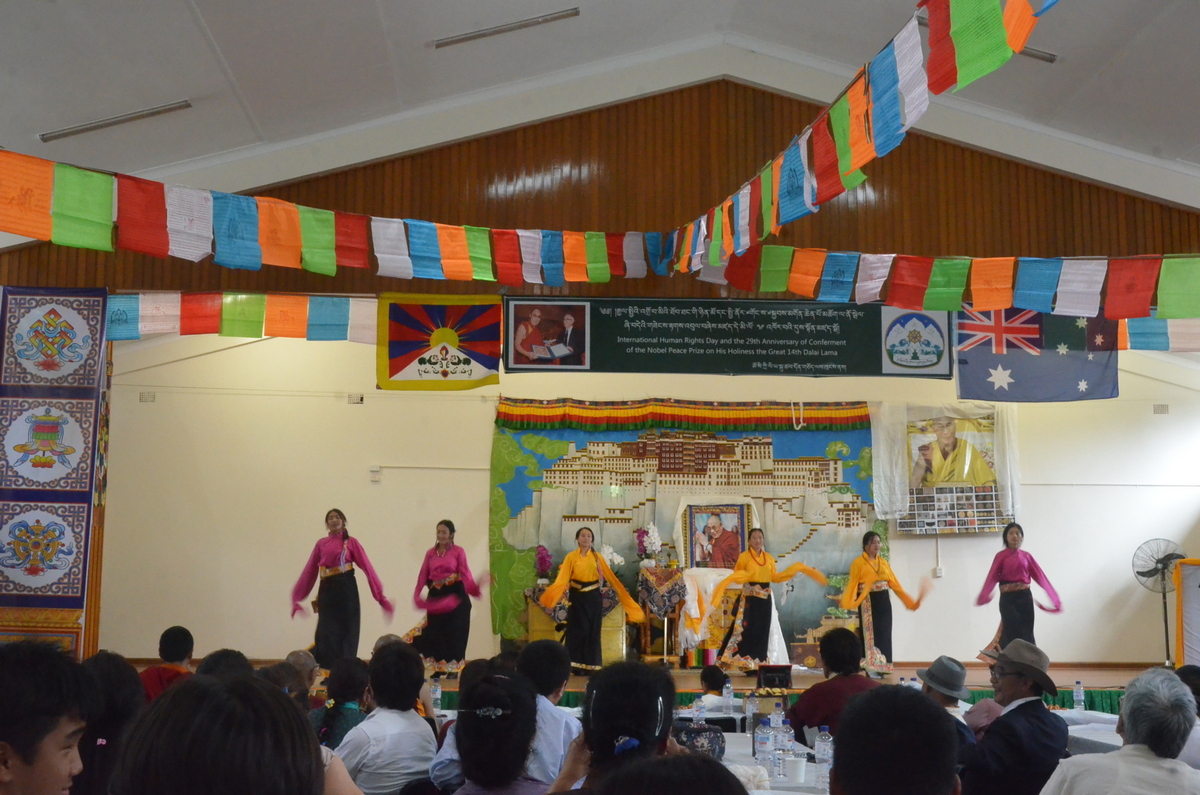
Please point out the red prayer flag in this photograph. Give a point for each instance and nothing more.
(200, 313)
(142, 216)
(825, 162)
(615, 242)
(942, 66)
(1131, 284)
(506, 251)
(741, 270)
(910, 279)
(755, 210)
(351, 247)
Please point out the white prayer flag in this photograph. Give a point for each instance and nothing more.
(1079, 286)
(363, 320)
(700, 255)
(531, 255)
(391, 247)
(189, 222)
(910, 64)
(810, 176)
(742, 239)
(1184, 335)
(635, 256)
(873, 270)
(159, 313)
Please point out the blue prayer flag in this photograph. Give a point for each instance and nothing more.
(328, 318)
(837, 277)
(791, 186)
(124, 314)
(1145, 334)
(235, 232)
(1046, 6)
(887, 124)
(1037, 281)
(654, 253)
(553, 262)
(424, 249)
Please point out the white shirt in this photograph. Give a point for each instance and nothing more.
(1131, 770)
(715, 705)
(1190, 755)
(1018, 703)
(387, 750)
(555, 731)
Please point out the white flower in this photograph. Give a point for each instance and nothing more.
(652, 541)
(610, 556)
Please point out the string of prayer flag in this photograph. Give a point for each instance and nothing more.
(318, 234)
(26, 193)
(82, 208)
(142, 216)
(279, 233)
(1037, 281)
(235, 232)
(391, 248)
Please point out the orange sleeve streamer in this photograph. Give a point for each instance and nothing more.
(862, 146)
(279, 232)
(992, 283)
(575, 257)
(727, 240)
(26, 188)
(456, 258)
(799, 568)
(807, 264)
(287, 316)
(552, 595)
(1019, 22)
(633, 611)
(776, 171)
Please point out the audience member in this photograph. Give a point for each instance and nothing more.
(122, 698)
(424, 704)
(894, 740)
(46, 698)
(285, 677)
(945, 682)
(983, 713)
(1158, 713)
(446, 769)
(1190, 675)
(304, 662)
(506, 660)
(394, 745)
(345, 686)
(497, 720)
(713, 681)
(682, 774)
(1022, 747)
(225, 663)
(235, 735)
(175, 650)
(822, 704)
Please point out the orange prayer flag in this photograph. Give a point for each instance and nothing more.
(456, 256)
(26, 188)
(287, 316)
(807, 264)
(279, 232)
(575, 257)
(992, 283)
(727, 236)
(1122, 334)
(1019, 22)
(776, 170)
(862, 145)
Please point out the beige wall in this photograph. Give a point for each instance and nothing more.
(217, 491)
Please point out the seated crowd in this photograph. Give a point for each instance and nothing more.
(100, 727)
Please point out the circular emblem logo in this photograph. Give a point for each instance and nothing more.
(914, 340)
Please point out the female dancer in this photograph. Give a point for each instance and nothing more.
(442, 636)
(526, 336)
(746, 641)
(867, 590)
(582, 572)
(334, 558)
(1012, 569)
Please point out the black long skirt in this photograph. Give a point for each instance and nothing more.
(881, 624)
(1016, 616)
(756, 630)
(582, 637)
(338, 615)
(444, 637)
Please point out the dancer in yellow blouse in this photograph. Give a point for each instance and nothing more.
(870, 580)
(581, 573)
(746, 642)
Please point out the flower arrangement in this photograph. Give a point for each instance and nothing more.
(611, 557)
(648, 542)
(542, 562)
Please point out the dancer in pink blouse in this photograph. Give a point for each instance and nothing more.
(1013, 569)
(442, 636)
(334, 558)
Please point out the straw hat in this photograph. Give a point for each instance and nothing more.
(946, 675)
(1028, 660)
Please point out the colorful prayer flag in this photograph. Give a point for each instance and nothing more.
(279, 233)
(424, 249)
(82, 209)
(575, 259)
(363, 314)
(947, 280)
(633, 251)
(596, 248)
(506, 246)
(391, 248)
(775, 269)
(479, 248)
(1184, 334)
(531, 255)
(1019, 22)
(807, 264)
(742, 268)
(1079, 286)
(793, 179)
(862, 145)
(910, 279)
(615, 245)
(887, 117)
(242, 314)
(1037, 281)
(200, 313)
(142, 216)
(741, 219)
(980, 40)
(352, 248)
(456, 256)
(438, 341)
(941, 68)
(992, 283)
(318, 236)
(1148, 334)
(831, 182)
(190, 223)
(1179, 288)
(286, 316)
(1131, 285)
(158, 313)
(910, 65)
(837, 276)
(553, 258)
(26, 194)
(873, 271)
(654, 253)
(328, 318)
(123, 318)
(235, 232)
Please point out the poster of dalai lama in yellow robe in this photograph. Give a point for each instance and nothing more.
(949, 458)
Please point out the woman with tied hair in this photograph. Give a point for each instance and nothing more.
(1012, 569)
(343, 711)
(497, 719)
(867, 591)
(442, 636)
(338, 612)
(123, 699)
(206, 736)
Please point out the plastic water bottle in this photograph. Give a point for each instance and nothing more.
(751, 707)
(824, 754)
(785, 740)
(727, 694)
(762, 743)
(777, 716)
(1080, 700)
(699, 712)
(435, 693)
(903, 682)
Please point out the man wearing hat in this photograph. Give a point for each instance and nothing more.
(945, 682)
(1022, 748)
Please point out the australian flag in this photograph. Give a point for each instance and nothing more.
(1021, 356)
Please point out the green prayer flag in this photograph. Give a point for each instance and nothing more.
(479, 248)
(718, 233)
(853, 179)
(947, 281)
(318, 241)
(980, 39)
(82, 208)
(1179, 288)
(839, 126)
(768, 203)
(597, 257)
(243, 315)
(774, 269)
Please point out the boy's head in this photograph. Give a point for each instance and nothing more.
(46, 698)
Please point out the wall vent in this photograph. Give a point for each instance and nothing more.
(1162, 408)
(146, 397)
(354, 398)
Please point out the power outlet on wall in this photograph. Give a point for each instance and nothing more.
(937, 572)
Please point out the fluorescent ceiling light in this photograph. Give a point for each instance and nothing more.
(113, 121)
(1028, 52)
(483, 33)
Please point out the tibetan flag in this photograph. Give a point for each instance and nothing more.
(391, 248)
(351, 248)
(279, 232)
(1016, 355)
(910, 65)
(235, 232)
(654, 253)
(328, 318)
(980, 40)
(438, 341)
(26, 193)
(190, 223)
(142, 216)
(575, 259)
(837, 277)
(479, 247)
(456, 256)
(742, 269)
(531, 255)
(123, 322)
(596, 248)
(1131, 284)
(200, 313)
(1037, 281)
(507, 248)
(82, 209)
(793, 180)
(873, 271)
(424, 249)
(286, 316)
(242, 314)
(910, 279)
(615, 245)
(1019, 22)
(1079, 287)
(318, 235)
(775, 268)
(992, 283)
(1148, 334)
(554, 258)
(887, 118)
(633, 252)
(942, 68)
(807, 264)
(159, 313)
(363, 313)
(862, 120)
(767, 196)
(1179, 288)
(947, 280)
